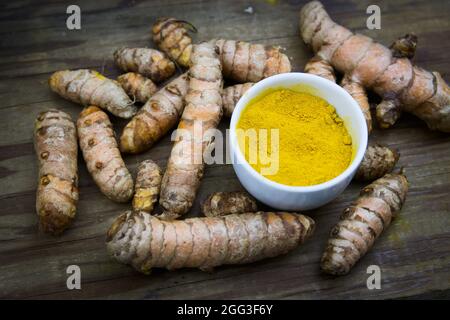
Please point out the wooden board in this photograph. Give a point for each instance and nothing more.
(414, 254)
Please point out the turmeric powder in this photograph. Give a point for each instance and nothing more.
(314, 145)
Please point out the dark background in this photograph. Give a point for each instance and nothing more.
(413, 254)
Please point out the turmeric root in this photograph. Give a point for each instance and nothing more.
(171, 36)
(102, 156)
(363, 222)
(150, 63)
(225, 203)
(146, 242)
(55, 141)
(377, 161)
(231, 96)
(246, 62)
(148, 185)
(137, 86)
(159, 114)
(202, 112)
(88, 87)
(400, 84)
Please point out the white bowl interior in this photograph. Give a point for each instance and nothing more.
(346, 107)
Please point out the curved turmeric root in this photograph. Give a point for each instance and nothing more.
(158, 115)
(102, 155)
(248, 62)
(88, 87)
(148, 185)
(225, 203)
(137, 86)
(150, 63)
(202, 114)
(373, 66)
(171, 36)
(377, 161)
(55, 141)
(363, 222)
(146, 242)
(231, 96)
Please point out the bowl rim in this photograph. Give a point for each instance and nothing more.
(304, 77)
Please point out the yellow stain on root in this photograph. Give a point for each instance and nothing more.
(314, 144)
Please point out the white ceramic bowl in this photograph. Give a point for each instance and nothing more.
(283, 197)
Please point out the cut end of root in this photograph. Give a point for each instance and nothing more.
(51, 221)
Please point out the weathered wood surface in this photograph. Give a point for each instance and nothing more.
(414, 254)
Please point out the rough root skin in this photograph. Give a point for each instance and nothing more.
(363, 222)
(231, 96)
(102, 155)
(88, 87)
(404, 47)
(225, 203)
(138, 87)
(245, 62)
(202, 112)
(55, 141)
(375, 67)
(150, 63)
(146, 242)
(377, 161)
(172, 37)
(148, 185)
(159, 114)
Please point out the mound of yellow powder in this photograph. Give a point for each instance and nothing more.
(314, 145)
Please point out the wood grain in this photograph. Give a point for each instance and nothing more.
(414, 254)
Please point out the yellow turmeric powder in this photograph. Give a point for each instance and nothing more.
(312, 147)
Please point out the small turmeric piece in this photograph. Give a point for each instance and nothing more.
(102, 155)
(203, 111)
(171, 36)
(158, 115)
(231, 96)
(148, 184)
(225, 203)
(148, 62)
(369, 65)
(88, 87)
(137, 86)
(248, 62)
(241, 61)
(55, 142)
(363, 222)
(377, 161)
(146, 242)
